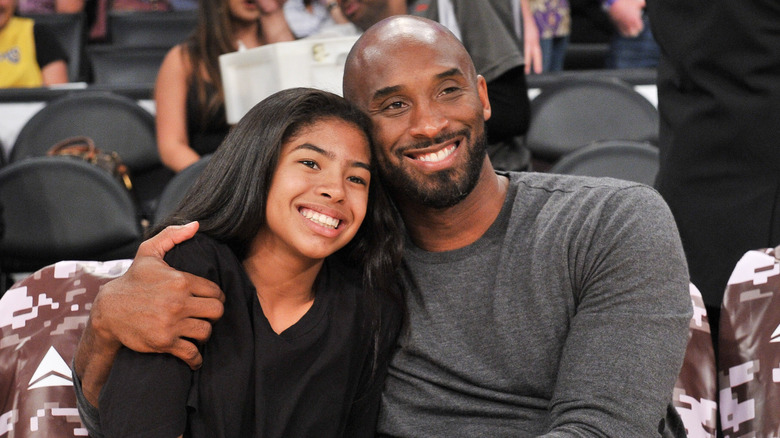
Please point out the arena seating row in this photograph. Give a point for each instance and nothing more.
(610, 126)
(136, 44)
(138, 40)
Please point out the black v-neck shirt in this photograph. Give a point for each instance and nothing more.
(313, 379)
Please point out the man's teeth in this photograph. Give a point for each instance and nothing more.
(321, 219)
(438, 156)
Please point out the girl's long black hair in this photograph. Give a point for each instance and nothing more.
(229, 197)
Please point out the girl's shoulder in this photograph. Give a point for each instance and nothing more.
(202, 254)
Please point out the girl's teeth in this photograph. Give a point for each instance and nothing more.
(320, 218)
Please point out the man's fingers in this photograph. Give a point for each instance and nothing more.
(203, 288)
(204, 308)
(188, 352)
(166, 239)
(195, 329)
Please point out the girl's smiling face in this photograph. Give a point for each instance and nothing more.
(319, 191)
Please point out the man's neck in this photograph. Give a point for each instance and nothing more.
(462, 224)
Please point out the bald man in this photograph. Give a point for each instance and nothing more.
(487, 30)
(542, 305)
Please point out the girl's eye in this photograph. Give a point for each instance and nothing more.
(356, 180)
(310, 163)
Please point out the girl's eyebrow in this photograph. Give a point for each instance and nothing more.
(330, 155)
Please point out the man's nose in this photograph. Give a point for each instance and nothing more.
(427, 121)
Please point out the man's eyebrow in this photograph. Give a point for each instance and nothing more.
(382, 92)
(331, 155)
(455, 71)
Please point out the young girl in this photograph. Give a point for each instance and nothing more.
(190, 111)
(303, 345)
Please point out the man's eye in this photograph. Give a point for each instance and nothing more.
(395, 106)
(450, 90)
(310, 163)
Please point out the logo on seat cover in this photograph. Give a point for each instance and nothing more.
(775, 335)
(52, 371)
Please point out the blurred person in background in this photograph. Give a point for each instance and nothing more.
(633, 44)
(719, 101)
(190, 100)
(311, 17)
(30, 56)
(553, 21)
(50, 6)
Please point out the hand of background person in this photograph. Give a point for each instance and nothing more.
(334, 10)
(627, 16)
(270, 6)
(154, 308)
(273, 22)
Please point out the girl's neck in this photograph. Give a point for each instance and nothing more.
(284, 284)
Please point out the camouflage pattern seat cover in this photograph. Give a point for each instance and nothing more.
(43, 315)
(749, 348)
(41, 320)
(696, 388)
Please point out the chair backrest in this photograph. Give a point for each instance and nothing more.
(41, 320)
(71, 32)
(59, 208)
(749, 347)
(575, 112)
(150, 29)
(628, 160)
(116, 123)
(112, 65)
(177, 187)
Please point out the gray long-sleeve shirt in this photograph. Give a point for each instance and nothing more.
(569, 317)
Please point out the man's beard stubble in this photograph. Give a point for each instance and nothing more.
(442, 189)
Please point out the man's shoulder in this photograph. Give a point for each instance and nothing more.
(550, 182)
(569, 195)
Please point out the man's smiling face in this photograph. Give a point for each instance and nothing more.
(428, 107)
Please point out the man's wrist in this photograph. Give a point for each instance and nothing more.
(331, 6)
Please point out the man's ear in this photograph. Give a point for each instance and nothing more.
(483, 97)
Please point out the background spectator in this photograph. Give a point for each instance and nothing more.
(29, 55)
(50, 6)
(719, 99)
(553, 21)
(190, 100)
(309, 17)
(141, 5)
(633, 45)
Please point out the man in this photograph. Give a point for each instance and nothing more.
(542, 305)
(487, 30)
(719, 100)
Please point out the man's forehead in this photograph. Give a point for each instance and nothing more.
(393, 51)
